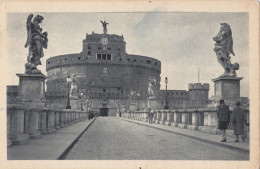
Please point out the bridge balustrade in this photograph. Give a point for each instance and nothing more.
(28, 122)
(202, 119)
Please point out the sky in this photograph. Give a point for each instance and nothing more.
(181, 41)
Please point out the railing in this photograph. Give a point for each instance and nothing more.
(25, 122)
(203, 119)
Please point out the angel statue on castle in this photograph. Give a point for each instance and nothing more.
(36, 41)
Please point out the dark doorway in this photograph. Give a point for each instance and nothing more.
(103, 111)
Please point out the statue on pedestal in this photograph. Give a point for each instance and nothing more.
(151, 87)
(74, 87)
(223, 48)
(36, 41)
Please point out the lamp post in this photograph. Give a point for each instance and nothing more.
(166, 101)
(81, 99)
(138, 97)
(68, 101)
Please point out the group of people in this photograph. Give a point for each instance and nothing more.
(237, 118)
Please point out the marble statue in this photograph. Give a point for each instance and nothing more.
(36, 41)
(104, 23)
(223, 49)
(74, 87)
(151, 87)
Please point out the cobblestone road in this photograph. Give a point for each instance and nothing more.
(110, 138)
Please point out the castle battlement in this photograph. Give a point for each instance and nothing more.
(198, 86)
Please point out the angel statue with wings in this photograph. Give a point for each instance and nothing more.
(223, 49)
(151, 87)
(36, 41)
(104, 23)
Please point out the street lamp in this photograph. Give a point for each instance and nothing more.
(166, 102)
(138, 97)
(81, 99)
(68, 101)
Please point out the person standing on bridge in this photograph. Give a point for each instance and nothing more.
(151, 116)
(223, 118)
(238, 120)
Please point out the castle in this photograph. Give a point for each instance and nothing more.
(107, 76)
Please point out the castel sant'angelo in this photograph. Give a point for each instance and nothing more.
(103, 74)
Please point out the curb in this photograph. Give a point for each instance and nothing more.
(193, 137)
(67, 150)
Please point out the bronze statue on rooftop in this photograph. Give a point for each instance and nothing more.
(223, 49)
(104, 23)
(36, 41)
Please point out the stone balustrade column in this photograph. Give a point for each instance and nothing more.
(43, 121)
(65, 118)
(169, 117)
(77, 115)
(17, 134)
(158, 117)
(163, 117)
(51, 121)
(62, 118)
(34, 122)
(57, 119)
(184, 121)
(176, 118)
(210, 121)
(69, 117)
(195, 120)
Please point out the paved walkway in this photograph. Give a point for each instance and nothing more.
(198, 135)
(49, 146)
(110, 138)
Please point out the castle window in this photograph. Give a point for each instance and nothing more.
(104, 57)
(128, 59)
(99, 47)
(155, 63)
(79, 58)
(49, 62)
(98, 56)
(89, 47)
(89, 53)
(109, 48)
(65, 59)
(119, 49)
(108, 56)
(148, 61)
(135, 60)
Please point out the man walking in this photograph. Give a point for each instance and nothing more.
(223, 118)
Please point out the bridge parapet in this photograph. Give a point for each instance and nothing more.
(202, 119)
(28, 122)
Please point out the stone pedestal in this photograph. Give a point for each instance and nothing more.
(31, 89)
(152, 103)
(74, 103)
(227, 88)
(132, 107)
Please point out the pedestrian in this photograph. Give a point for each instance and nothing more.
(151, 116)
(238, 119)
(120, 114)
(223, 118)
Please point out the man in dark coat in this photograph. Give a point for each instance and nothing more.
(223, 118)
(238, 120)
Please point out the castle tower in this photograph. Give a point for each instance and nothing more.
(198, 94)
